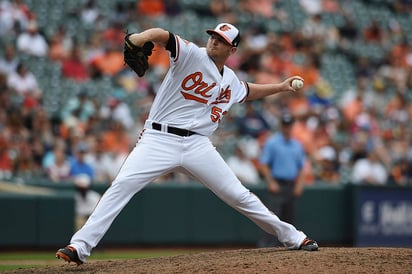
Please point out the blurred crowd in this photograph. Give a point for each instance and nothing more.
(358, 135)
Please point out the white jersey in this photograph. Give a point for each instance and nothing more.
(194, 95)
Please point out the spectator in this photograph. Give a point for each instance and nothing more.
(89, 13)
(401, 173)
(303, 133)
(374, 33)
(32, 42)
(159, 61)
(275, 61)
(103, 162)
(14, 16)
(9, 62)
(243, 167)
(73, 66)
(117, 110)
(15, 132)
(76, 112)
(401, 6)
(348, 32)
(397, 108)
(86, 199)
(369, 170)
(353, 108)
(262, 8)
(6, 163)
(39, 123)
(151, 8)
(110, 63)
(321, 136)
(256, 40)
(172, 7)
(61, 44)
(121, 12)
(311, 7)
(24, 84)
(59, 169)
(314, 28)
(5, 96)
(322, 97)
(251, 123)
(24, 165)
(37, 148)
(327, 166)
(116, 139)
(118, 158)
(78, 164)
(49, 157)
(94, 47)
(282, 161)
(331, 6)
(309, 66)
(114, 35)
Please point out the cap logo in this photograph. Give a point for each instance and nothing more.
(228, 32)
(224, 28)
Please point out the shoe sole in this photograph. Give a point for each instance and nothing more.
(310, 248)
(60, 255)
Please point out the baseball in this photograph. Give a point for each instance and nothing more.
(297, 84)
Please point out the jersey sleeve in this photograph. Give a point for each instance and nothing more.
(183, 48)
(240, 89)
(247, 92)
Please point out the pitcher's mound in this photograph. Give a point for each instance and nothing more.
(264, 260)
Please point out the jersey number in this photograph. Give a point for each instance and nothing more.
(216, 114)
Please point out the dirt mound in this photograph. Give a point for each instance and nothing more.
(264, 260)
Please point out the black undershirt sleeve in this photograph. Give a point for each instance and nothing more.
(171, 44)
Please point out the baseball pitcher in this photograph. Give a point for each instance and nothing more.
(195, 95)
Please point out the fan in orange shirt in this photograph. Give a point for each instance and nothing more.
(116, 139)
(309, 69)
(150, 7)
(159, 59)
(109, 63)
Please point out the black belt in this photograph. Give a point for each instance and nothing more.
(174, 130)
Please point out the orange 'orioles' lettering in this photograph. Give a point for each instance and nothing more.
(224, 96)
(194, 82)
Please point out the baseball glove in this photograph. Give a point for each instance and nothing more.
(136, 57)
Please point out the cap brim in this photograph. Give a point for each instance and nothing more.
(211, 31)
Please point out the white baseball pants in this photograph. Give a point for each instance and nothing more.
(159, 152)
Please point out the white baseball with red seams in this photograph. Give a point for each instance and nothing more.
(297, 84)
(195, 96)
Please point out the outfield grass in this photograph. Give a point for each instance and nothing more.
(30, 259)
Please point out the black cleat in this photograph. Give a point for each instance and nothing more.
(309, 245)
(69, 254)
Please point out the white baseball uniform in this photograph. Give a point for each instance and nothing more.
(194, 96)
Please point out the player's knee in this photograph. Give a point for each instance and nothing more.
(240, 199)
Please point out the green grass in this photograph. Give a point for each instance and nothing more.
(29, 259)
(14, 267)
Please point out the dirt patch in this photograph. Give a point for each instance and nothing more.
(264, 260)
